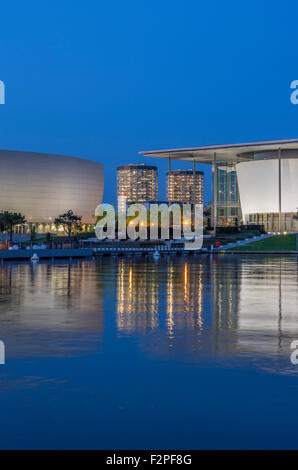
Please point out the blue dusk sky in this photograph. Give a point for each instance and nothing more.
(106, 79)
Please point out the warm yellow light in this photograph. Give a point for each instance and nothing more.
(185, 274)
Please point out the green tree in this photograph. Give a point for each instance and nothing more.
(69, 221)
(33, 233)
(8, 220)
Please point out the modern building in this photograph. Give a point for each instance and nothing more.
(184, 186)
(136, 183)
(228, 201)
(252, 183)
(42, 186)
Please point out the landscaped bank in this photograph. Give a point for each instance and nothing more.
(278, 243)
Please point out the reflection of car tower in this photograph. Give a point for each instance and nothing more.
(184, 298)
(137, 296)
(183, 185)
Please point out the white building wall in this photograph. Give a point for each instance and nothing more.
(258, 186)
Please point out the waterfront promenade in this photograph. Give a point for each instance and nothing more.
(46, 253)
(96, 248)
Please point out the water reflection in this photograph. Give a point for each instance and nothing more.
(45, 307)
(177, 343)
(188, 305)
(268, 303)
(137, 295)
(222, 305)
(184, 296)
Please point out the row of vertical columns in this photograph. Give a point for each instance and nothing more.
(194, 183)
(214, 195)
(279, 189)
(214, 192)
(170, 169)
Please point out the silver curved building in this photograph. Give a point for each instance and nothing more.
(42, 186)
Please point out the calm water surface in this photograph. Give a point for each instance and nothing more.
(182, 352)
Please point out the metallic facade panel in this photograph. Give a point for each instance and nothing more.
(42, 186)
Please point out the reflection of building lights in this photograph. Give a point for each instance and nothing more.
(170, 301)
(186, 289)
(133, 293)
(130, 278)
(138, 304)
(184, 307)
(185, 274)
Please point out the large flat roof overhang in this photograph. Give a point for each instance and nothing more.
(224, 153)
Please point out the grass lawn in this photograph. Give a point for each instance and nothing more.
(278, 243)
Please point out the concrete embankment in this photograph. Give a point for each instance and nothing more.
(46, 254)
(256, 252)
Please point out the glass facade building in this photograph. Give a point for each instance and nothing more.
(182, 184)
(136, 183)
(226, 193)
(253, 183)
(270, 221)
